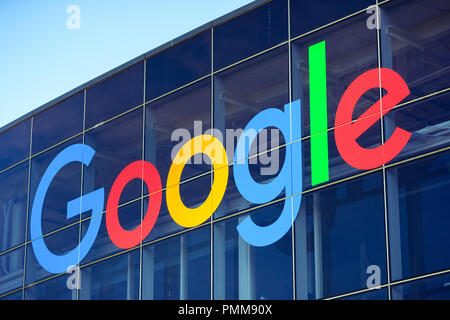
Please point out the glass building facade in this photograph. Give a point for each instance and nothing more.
(392, 219)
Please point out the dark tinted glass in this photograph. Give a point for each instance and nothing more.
(414, 43)
(418, 216)
(117, 144)
(11, 270)
(349, 50)
(178, 268)
(178, 65)
(263, 168)
(309, 15)
(53, 289)
(338, 167)
(433, 288)
(66, 186)
(340, 234)
(427, 121)
(58, 243)
(250, 33)
(15, 144)
(193, 193)
(13, 206)
(129, 219)
(58, 123)
(13, 296)
(245, 90)
(376, 294)
(113, 279)
(171, 122)
(242, 271)
(115, 95)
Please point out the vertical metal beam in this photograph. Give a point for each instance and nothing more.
(300, 251)
(318, 263)
(390, 181)
(219, 261)
(85, 292)
(131, 273)
(183, 267)
(148, 279)
(246, 290)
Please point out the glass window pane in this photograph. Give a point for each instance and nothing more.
(58, 123)
(115, 95)
(376, 294)
(66, 186)
(11, 270)
(179, 267)
(245, 90)
(309, 15)
(117, 144)
(116, 278)
(13, 206)
(418, 216)
(340, 233)
(129, 219)
(242, 271)
(414, 38)
(338, 168)
(15, 144)
(263, 168)
(427, 120)
(171, 122)
(349, 50)
(178, 65)
(58, 243)
(13, 296)
(250, 33)
(53, 289)
(193, 193)
(433, 288)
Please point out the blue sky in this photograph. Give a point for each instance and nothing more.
(40, 58)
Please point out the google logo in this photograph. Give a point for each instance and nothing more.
(289, 178)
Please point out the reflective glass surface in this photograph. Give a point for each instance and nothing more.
(113, 279)
(179, 267)
(58, 243)
(129, 219)
(350, 49)
(414, 43)
(53, 289)
(376, 294)
(309, 15)
(250, 33)
(418, 219)
(117, 144)
(59, 122)
(11, 270)
(245, 90)
(13, 206)
(115, 95)
(242, 271)
(178, 65)
(428, 121)
(340, 238)
(15, 144)
(171, 122)
(66, 186)
(432, 288)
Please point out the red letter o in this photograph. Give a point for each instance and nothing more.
(137, 170)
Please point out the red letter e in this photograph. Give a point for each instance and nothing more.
(346, 132)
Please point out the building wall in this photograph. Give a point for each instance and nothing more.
(393, 218)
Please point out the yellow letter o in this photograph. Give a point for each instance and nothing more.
(213, 148)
